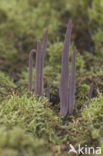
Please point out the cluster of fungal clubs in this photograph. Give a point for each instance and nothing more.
(40, 55)
(67, 82)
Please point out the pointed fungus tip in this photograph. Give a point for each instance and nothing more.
(92, 85)
(38, 42)
(46, 30)
(70, 22)
(91, 90)
(32, 51)
(69, 25)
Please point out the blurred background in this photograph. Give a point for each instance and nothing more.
(23, 22)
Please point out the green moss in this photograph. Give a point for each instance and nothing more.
(96, 18)
(94, 115)
(82, 91)
(23, 81)
(34, 115)
(6, 85)
(85, 126)
(81, 99)
(21, 25)
(23, 22)
(16, 142)
(102, 147)
(30, 113)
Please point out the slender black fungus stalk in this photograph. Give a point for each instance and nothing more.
(40, 65)
(90, 91)
(38, 69)
(63, 91)
(72, 83)
(48, 91)
(45, 39)
(31, 69)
